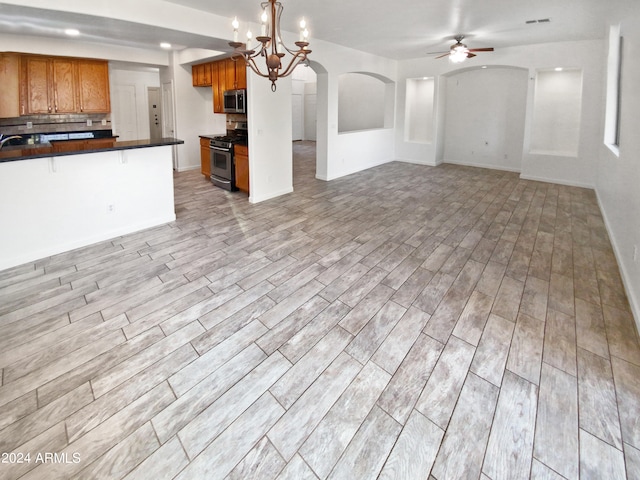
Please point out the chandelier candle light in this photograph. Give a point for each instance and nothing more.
(270, 46)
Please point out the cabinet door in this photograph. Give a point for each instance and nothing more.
(241, 159)
(230, 74)
(10, 81)
(36, 87)
(218, 85)
(241, 74)
(64, 86)
(195, 75)
(205, 157)
(93, 86)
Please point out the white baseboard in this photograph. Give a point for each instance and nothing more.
(556, 181)
(262, 198)
(83, 242)
(632, 295)
(489, 166)
(190, 167)
(417, 162)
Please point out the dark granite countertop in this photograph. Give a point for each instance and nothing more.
(43, 150)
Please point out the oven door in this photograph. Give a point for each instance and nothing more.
(222, 168)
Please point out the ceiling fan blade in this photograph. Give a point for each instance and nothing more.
(488, 49)
(437, 53)
(471, 55)
(445, 55)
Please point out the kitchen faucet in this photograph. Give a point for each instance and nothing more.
(4, 139)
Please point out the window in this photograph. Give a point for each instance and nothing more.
(614, 90)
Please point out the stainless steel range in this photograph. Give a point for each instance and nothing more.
(221, 155)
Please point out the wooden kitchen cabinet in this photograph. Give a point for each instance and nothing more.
(57, 85)
(65, 93)
(201, 75)
(205, 157)
(93, 86)
(235, 74)
(82, 144)
(241, 160)
(10, 81)
(227, 74)
(218, 80)
(36, 85)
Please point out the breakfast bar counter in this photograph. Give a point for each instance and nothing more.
(52, 202)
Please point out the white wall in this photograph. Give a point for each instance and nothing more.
(194, 115)
(485, 111)
(361, 102)
(618, 176)
(52, 205)
(586, 55)
(270, 151)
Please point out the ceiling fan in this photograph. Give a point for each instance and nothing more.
(459, 52)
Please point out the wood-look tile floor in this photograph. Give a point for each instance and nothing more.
(405, 322)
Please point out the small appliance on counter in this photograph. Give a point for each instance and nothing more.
(221, 155)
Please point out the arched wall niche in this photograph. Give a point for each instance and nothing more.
(366, 101)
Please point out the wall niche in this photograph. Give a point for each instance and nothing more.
(557, 108)
(419, 110)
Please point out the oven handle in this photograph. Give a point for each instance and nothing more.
(220, 149)
(219, 179)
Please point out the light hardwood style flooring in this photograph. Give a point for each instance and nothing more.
(405, 322)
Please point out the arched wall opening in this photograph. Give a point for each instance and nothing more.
(366, 101)
(313, 101)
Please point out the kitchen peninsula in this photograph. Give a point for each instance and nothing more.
(55, 201)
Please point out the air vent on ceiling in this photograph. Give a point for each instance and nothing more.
(541, 20)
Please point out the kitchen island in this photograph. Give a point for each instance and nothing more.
(52, 202)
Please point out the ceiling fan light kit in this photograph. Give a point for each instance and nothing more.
(459, 52)
(270, 46)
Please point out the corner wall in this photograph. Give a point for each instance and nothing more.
(618, 177)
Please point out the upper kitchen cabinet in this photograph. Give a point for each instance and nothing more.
(37, 95)
(57, 85)
(201, 75)
(10, 81)
(218, 85)
(227, 74)
(65, 92)
(93, 86)
(236, 74)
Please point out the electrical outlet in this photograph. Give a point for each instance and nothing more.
(104, 121)
(29, 124)
(89, 123)
(111, 208)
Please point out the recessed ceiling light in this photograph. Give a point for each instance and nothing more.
(165, 45)
(558, 69)
(72, 32)
(484, 66)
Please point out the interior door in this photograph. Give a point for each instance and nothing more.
(125, 114)
(155, 112)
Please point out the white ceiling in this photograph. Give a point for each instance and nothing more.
(400, 29)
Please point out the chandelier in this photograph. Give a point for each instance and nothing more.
(270, 45)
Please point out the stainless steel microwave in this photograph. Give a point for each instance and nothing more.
(235, 101)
